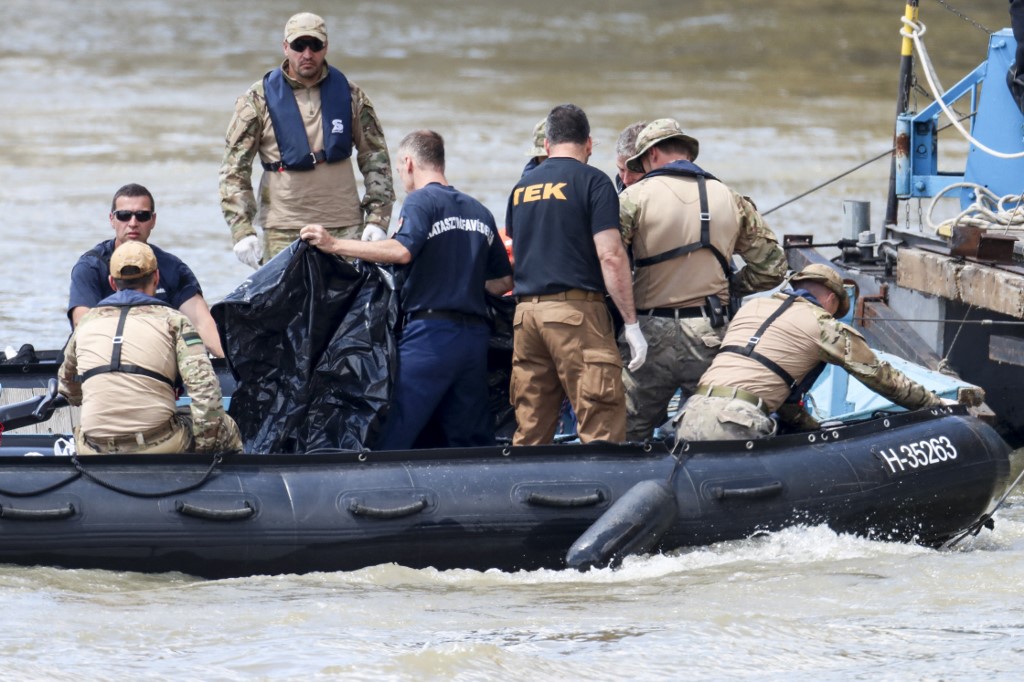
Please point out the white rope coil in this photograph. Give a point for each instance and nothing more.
(988, 210)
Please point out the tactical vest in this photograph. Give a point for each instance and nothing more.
(797, 389)
(115, 356)
(289, 131)
(687, 169)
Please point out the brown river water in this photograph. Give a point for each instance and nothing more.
(782, 95)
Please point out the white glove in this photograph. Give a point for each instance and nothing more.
(249, 250)
(373, 233)
(637, 346)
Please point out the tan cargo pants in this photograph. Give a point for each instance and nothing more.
(566, 348)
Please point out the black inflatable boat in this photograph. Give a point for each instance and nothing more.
(922, 476)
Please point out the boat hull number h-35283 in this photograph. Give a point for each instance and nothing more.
(920, 454)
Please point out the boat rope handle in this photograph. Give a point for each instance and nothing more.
(767, 490)
(198, 512)
(359, 509)
(217, 459)
(542, 500)
(16, 514)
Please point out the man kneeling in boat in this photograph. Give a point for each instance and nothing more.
(122, 364)
(771, 355)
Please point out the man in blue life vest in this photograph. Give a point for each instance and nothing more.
(449, 245)
(123, 364)
(562, 217)
(303, 120)
(683, 227)
(774, 350)
(133, 218)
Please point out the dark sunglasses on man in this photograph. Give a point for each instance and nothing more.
(300, 44)
(141, 216)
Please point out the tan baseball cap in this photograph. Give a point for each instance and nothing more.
(830, 279)
(659, 131)
(132, 260)
(305, 24)
(539, 132)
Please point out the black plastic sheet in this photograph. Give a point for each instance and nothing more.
(309, 339)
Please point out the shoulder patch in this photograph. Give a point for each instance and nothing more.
(191, 338)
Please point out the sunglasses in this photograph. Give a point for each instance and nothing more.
(141, 216)
(300, 44)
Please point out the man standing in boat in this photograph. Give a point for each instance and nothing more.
(775, 349)
(450, 245)
(133, 218)
(684, 226)
(562, 218)
(123, 363)
(303, 119)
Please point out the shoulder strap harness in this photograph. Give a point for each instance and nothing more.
(115, 358)
(749, 351)
(705, 222)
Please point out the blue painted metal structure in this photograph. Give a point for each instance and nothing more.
(996, 122)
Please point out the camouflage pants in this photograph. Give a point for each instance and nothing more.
(714, 418)
(678, 353)
(277, 240)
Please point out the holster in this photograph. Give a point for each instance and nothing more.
(716, 311)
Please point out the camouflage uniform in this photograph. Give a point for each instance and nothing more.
(251, 133)
(123, 412)
(798, 340)
(658, 214)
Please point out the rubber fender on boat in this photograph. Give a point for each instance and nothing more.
(632, 525)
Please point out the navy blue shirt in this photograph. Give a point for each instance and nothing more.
(553, 213)
(455, 249)
(89, 283)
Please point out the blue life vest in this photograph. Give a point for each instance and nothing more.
(336, 108)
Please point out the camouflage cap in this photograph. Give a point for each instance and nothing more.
(539, 133)
(132, 260)
(655, 132)
(830, 279)
(305, 24)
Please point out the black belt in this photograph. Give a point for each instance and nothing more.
(318, 157)
(676, 313)
(449, 315)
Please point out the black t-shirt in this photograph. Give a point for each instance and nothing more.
(455, 249)
(89, 283)
(553, 213)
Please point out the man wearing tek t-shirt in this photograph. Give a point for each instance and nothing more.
(450, 245)
(563, 219)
